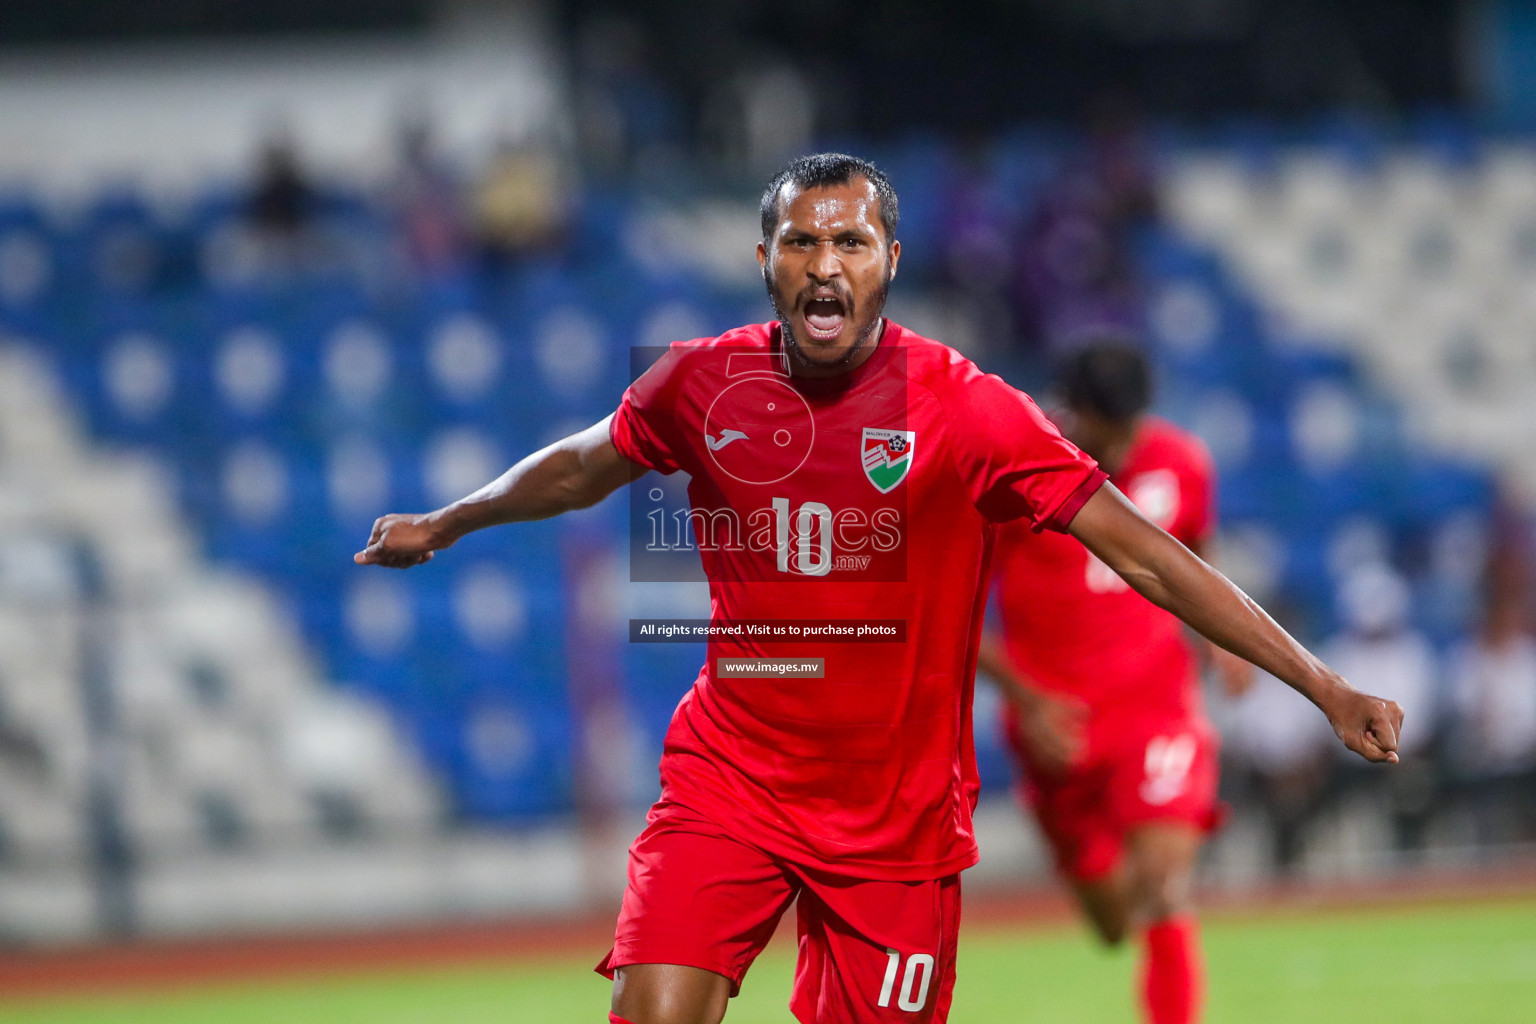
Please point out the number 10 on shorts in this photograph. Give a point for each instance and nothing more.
(907, 999)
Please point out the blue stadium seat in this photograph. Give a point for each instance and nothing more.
(1448, 135)
(598, 224)
(1302, 365)
(656, 678)
(262, 503)
(218, 203)
(1254, 141)
(1353, 140)
(1023, 161)
(248, 378)
(1306, 582)
(510, 761)
(21, 209)
(1163, 255)
(1338, 493)
(470, 373)
(494, 627)
(400, 681)
(360, 377)
(919, 167)
(1427, 491)
(118, 243)
(1245, 494)
(139, 387)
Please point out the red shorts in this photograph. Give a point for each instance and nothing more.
(1159, 774)
(870, 950)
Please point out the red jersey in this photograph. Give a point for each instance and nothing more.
(1073, 626)
(869, 496)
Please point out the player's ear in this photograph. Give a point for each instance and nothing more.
(762, 259)
(895, 256)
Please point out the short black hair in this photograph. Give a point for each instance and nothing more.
(1109, 376)
(821, 169)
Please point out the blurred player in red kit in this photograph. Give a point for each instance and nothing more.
(842, 467)
(1104, 711)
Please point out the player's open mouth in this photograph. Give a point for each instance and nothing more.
(824, 318)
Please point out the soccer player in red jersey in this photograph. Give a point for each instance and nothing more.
(1104, 712)
(842, 468)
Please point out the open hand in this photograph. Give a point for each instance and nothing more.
(400, 542)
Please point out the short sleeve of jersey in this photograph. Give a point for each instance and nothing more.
(644, 427)
(1013, 460)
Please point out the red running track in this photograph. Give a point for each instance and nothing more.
(160, 964)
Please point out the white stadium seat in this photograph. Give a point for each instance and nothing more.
(1428, 273)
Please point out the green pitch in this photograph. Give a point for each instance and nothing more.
(1405, 965)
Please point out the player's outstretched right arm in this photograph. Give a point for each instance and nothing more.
(572, 473)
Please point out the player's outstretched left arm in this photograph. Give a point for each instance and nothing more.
(1169, 575)
(572, 473)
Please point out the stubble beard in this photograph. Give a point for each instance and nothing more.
(792, 348)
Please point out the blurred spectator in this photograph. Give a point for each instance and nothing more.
(759, 118)
(975, 226)
(1493, 694)
(523, 204)
(1073, 275)
(282, 201)
(1379, 652)
(278, 234)
(427, 204)
(1492, 748)
(975, 241)
(1074, 271)
(1282, 756)
(1380, 648)
(1120, 157)
(627, 116)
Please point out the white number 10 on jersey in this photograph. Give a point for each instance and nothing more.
(812, 527)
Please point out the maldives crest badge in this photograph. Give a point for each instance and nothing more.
(887, 455)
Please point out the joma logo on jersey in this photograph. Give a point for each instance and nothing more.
(886, 455)
(725, 438)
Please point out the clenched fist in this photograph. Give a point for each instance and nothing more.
(1368, 725)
